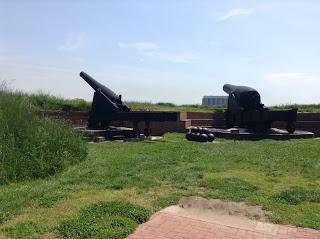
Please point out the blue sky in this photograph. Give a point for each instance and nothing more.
(168, 51)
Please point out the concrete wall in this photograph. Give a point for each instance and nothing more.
(80, 118)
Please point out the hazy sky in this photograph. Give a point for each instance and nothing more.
(168, 50)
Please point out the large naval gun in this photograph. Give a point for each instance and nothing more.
(107, 107)
(245, 110)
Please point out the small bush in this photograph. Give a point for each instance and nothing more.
(166, 104)
(109, 220)
(33, 147)
(297, 195)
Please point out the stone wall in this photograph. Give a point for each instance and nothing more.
(306, 121)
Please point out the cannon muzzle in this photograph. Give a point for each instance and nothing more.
(99, 87)
(247, 97)
(228, 88)
(113, 99)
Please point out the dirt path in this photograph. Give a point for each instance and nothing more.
(197, 218)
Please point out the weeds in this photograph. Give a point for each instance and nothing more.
(24, 230)
(297, 195)
(110, 220)
(33, 147)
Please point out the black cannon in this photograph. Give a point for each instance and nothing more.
(245, 110)
(107, 106)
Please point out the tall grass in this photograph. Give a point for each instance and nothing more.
(164, 106)
(49, 102)
(45, 101)
(33, 147)
(311, 108)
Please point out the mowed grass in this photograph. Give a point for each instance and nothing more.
(105, 220)
(281, 176)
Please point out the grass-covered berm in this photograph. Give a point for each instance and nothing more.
(45, 101)
(33, 147)
(121, 183)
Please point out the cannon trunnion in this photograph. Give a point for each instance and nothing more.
(245, 110)
(107, 106)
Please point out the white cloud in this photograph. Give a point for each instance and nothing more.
(153, 50)
(139, 45)
(74, 42)
(235, 13)
(288, 79)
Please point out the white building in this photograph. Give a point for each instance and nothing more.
(215, 100)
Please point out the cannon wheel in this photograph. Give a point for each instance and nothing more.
(291, 127)
(93, 124)
(268, 124)
(136, 131)
(147, 132)
(105, 124)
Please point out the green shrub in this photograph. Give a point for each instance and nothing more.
(297, 195)
(166, 104)
(33, 147)
(109, 220)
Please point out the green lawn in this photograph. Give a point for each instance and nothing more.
(127, 181)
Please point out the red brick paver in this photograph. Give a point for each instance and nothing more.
(168, 226)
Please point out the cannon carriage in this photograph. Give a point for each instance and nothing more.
(245, 110)
(107, 107)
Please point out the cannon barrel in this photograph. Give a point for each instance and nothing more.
(114, 100)
(228, 88)
(99, 87)
(247, 97)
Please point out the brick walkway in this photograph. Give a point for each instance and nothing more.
(163, 225)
